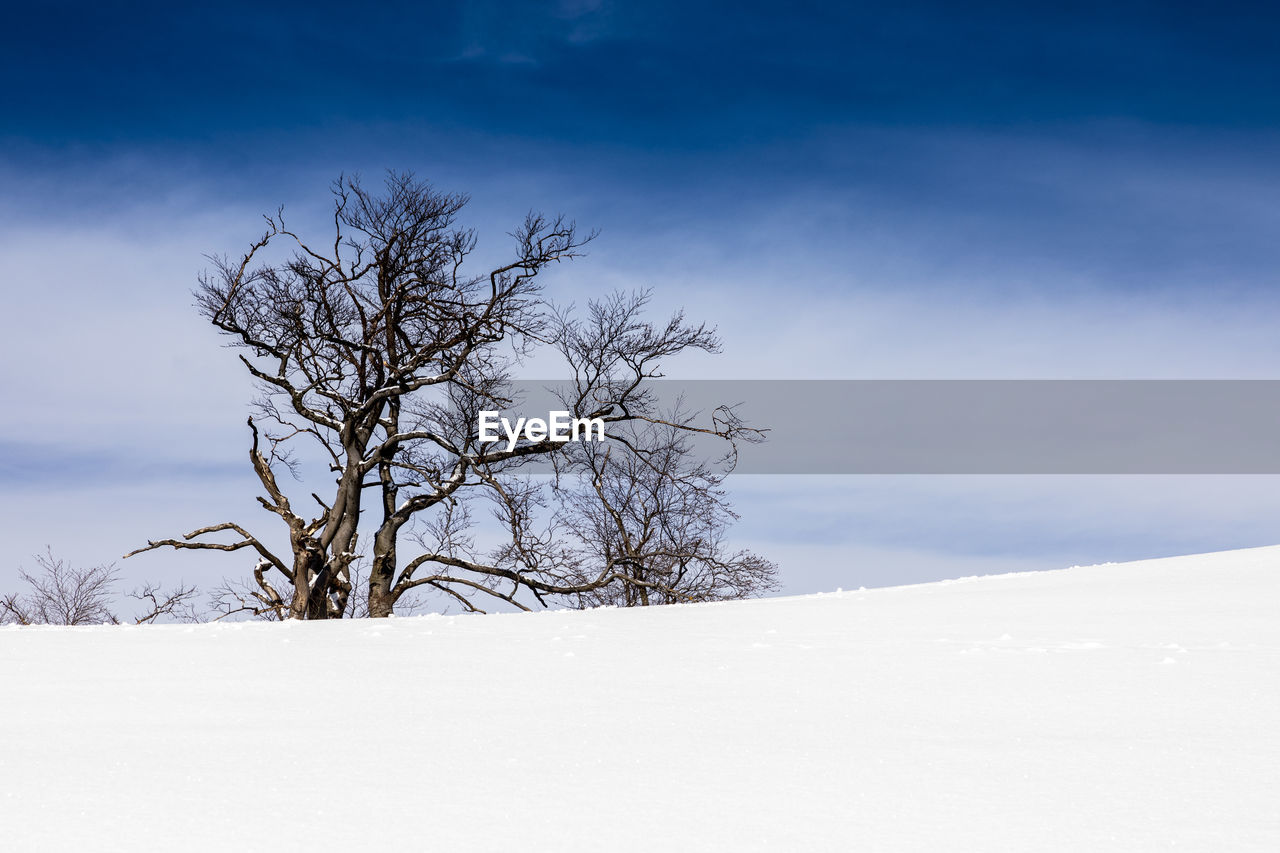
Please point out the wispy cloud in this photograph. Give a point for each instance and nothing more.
(67, 469)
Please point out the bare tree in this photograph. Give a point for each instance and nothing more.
(641, 522)
(62, 594)
(377, 351)
(655, 520)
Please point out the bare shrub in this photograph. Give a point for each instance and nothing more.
(63, 594)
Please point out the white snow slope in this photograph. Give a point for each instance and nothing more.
(1119, 707)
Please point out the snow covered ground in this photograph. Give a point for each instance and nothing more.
(1119, 707)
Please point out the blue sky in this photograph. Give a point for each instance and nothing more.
(660, 75)
(848, 190)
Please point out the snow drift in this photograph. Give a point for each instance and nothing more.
(1118, 707)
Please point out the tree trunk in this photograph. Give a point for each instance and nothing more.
(309, 582)
(382, 574)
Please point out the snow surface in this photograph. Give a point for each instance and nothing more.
(1119, 707)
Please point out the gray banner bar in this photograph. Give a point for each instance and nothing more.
(988, 426)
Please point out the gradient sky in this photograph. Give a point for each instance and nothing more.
(848, 191)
